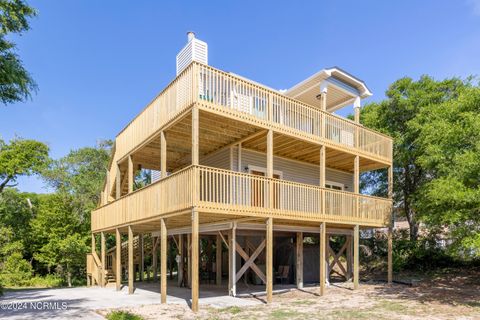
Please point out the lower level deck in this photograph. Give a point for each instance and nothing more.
(221, 195)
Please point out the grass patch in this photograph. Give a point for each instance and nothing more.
(393, 306)
(303, 302)
(231, 310)
(234, 310)
(352, 314)
(122, 315)
(49, 281)
(286, 314)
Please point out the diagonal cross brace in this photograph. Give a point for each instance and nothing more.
(336, 258)
(250, 262)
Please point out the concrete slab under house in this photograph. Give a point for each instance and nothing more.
(246, 186)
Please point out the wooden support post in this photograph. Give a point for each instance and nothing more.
(103, 258)
(118, 260)
(218, 260)
(142, 256)
(323, 97)
(349, 254)
(323, 106)
(322, 166)
(154, 258)
(189, 259)
(118, 183)
(390, 258)
(181, 253)
(239, 158)
(130, 260)
(108, 190)
(195, 258)
(93, 250)
(356, 260)
(356, 184)
(270, 168)
(327, 259)
(323, 256)
(390, 182)
(356, 175)
(390, 228)
(163, 260)
(270, 154)
(232, 264)
(299, 260)
(130, 174)
(269, 259)
(94, 243)
(163, 155)
(195, 136)
(356, 109)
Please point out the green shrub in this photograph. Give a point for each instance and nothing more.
(16, 271)
(48, 281)
(123, 315)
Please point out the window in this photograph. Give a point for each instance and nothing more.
(334, 185)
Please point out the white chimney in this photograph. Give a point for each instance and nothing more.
(195, 50)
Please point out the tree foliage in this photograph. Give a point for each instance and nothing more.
(16, 82)
(21, 157)
(81, 174)
(51, 232)
(450, 140)
(397, 117)
(56, 228)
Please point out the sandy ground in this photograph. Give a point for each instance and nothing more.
(451, 295)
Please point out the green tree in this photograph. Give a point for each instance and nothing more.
(17, 84)
(21, 157)
(397, 117)
(15, 271)
(56, 229)
(81, 174)
(16, 211)
(450, 140)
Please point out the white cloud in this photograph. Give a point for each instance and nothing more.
(475, 4)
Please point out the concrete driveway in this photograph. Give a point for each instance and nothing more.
(80, 303)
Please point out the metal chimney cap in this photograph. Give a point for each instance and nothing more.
(190, 35)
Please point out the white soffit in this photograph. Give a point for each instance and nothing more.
(342, 89)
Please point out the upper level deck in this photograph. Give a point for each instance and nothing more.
(232, 96)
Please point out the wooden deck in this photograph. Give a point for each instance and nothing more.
(214, 190)
(233, 97)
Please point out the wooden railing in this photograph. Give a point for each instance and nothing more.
(250, 194)
(219, 191)
(167, 195)
(94, 269)
(218, 88)
(111, 253)
(227, 92)
(175, 98)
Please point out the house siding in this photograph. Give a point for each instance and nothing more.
(292, 170)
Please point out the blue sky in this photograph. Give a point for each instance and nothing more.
(98, 63)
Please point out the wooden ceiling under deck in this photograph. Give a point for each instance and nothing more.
(287, 147)
(216, 132)
(184, 220)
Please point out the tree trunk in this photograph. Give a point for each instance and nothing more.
(69, 277)
(412, 221)
(4, 182)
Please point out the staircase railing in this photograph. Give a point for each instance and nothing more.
(94, 269)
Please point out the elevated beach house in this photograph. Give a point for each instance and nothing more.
(240, 181)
